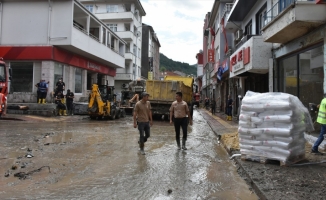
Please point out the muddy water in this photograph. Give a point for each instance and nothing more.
(100, 160)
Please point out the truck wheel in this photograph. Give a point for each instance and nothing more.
(118, 113)
(123, 113)
(112, 116)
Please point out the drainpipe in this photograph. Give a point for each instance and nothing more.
(49, 22)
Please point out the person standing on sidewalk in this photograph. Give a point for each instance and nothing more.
(43, 87)
(70, 102)
(213, 106)
(179, 111)
(143, 119)
(229, 108)
(60, 86)
(322, 120)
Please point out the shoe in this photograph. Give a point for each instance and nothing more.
(142, 152)
(316, 152)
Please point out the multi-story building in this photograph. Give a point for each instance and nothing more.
(57, 39)
(297, 31)
(125, 19)
(150, 56)
(273, 46)
(216, 68)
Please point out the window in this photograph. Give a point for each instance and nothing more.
(90, 8)
(111, 8)
(135, 50)
(22, 73)
(261, 19)
(302, 75)
(78, 80)
(248, 28)
(58, 73)
(113, 27)
(2, 73)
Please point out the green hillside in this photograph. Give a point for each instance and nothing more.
(167, 64)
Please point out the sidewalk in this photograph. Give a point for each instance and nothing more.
(270, 180)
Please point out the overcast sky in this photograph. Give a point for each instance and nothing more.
(178, 25)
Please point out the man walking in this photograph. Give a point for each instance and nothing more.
(179, 110)
(143, 118)
(322, 120)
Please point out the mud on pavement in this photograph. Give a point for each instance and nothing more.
(303, 180)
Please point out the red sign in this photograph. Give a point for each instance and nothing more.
(246, 58)
(55, 54)
(211, 55)
(241, 56)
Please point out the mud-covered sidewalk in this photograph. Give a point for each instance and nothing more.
(303, 180)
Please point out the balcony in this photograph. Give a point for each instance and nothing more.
(129, 56)
(120, 16)
(237, 13)
(283, 24)
(126, 35)
(243, 59)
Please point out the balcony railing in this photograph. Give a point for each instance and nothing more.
(243, 40)
(81, 29)
(277, 9)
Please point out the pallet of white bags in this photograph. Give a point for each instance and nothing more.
(264, 160)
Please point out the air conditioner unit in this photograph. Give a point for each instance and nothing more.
(238, 34)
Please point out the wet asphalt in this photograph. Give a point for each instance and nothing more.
(89, 159)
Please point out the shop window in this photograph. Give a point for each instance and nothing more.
(302, 75)
(78, 80)
(58, 73)
(22, 76)
(311, 76)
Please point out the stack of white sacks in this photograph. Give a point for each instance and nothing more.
(272, 125)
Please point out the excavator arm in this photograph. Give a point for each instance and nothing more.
(96, 104)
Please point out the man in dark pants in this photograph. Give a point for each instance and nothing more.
(179, 110)
(38, 91)
(143, 119)
(213, 106)
(60, 86)
(69, 102)
(229, 108)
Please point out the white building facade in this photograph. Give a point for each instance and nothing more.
(125, 19)
(48, 40)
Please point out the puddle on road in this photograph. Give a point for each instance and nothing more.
(100, 159)
(58, 138)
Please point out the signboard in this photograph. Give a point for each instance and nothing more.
(240, 59)
(320, 1)
(150, 75)
(211, 55)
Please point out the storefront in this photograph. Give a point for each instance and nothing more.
(302, 74)
(31, 64)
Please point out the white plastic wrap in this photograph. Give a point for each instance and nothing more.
(271, 125)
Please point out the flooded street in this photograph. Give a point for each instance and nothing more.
(100, 160)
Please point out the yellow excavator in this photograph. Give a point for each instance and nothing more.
(102, 103)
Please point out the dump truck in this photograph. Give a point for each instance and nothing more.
(131, 94)
(162, 93)
(102, 103)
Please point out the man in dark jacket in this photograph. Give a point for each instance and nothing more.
(69, 102)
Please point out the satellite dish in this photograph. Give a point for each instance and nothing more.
(138, 33)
